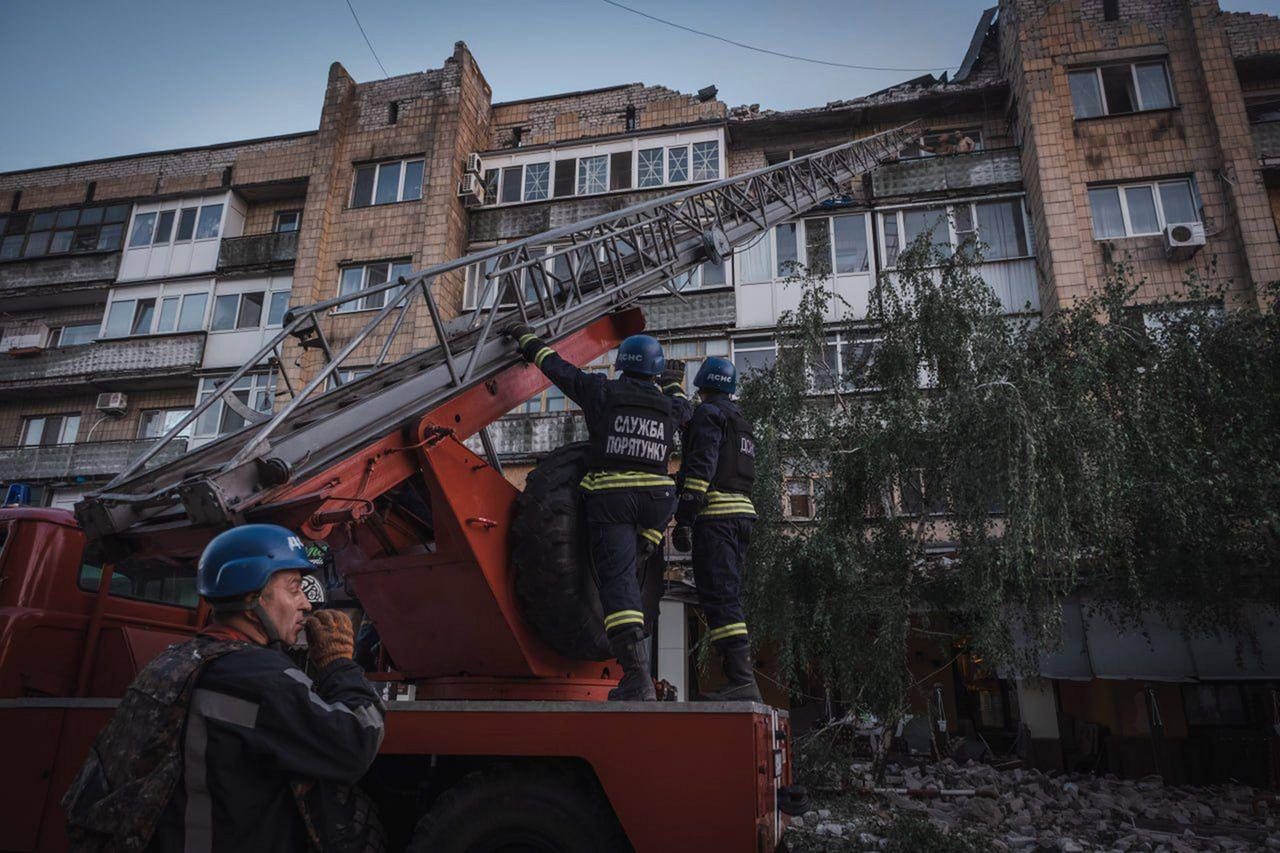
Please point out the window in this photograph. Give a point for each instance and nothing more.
(59, 232)
(157, 422)
(512, 184)
(233, 311)
(143, 226)
(1139, 209)
(45, 430)
(253, 392)
(356, 279)
(798, 500)
(851, 244)
(73, 336)
(649, 171)
(209, 222)
(620, 170)
(387, 183)
(187, 223)
(593, 174)
(1120, 89)
(288, 220)
(537, 181)
(706, 161)
(754, 354)
(921, 492)
(678, 165)
(998, 226)
(158, 580)
(787, 253)
(556, 268)
(164, 228)
(157, 229)
(277, 307)
(1263, 111)
(175, 313)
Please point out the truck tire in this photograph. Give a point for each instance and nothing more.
(526, 809)
(553, 581)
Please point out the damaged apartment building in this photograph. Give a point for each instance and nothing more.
(1073, 133)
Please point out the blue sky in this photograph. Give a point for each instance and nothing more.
(95, 78)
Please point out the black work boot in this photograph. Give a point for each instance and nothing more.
(631, 648)
(736, 658)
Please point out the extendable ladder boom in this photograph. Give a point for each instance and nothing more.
(559, 282)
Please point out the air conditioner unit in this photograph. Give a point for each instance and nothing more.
(471, 190)
(475, 165)
(113, 403)
(1183, 241)
(28, 338)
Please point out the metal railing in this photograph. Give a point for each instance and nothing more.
(558, 281)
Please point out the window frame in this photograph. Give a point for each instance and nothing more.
(63, 419)
(266, 386)
(160, 294)
(24, 230)
(296, 213)
(403, 164)
(1132, 65)
(163, 411)
(1154, 185)
(176, 224)
(354, 307)
(629, 181)
(887, 263)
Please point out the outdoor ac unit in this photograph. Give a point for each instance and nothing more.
(30, 337)
(113, 404)
(474, 164)
(1183, 241)
(471, 190)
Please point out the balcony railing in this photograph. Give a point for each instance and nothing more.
(154, 361)
(1266, 138)
(42, 277)
(259, 251)
(68, 461)
(948, 172)
(522, 437)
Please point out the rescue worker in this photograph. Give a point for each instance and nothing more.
(629, 493)
(222, 743)
(714, 517)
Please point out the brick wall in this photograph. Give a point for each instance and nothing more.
(1205, 136)
(597, 113)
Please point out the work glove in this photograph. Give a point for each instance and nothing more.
(330, 637)
(673, 374)
(526, 340)
(682, 538)
(688, 507)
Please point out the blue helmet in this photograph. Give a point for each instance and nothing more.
(717, 374)
(241, 560)
(640, 354)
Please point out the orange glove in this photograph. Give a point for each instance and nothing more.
(329, 637)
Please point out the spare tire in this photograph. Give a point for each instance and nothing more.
(554, 584)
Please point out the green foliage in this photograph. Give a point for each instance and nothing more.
(909, 833)
(1081, 450)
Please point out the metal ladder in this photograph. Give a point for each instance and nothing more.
(557, 281)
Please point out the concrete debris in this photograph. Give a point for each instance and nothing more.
(1027, 810)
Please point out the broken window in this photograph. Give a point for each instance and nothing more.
(593, 174)
(706, 161)
(565, 177)
(537, 181)
(620, 170)
(1120, 89)
(649, 170)
(678, 165)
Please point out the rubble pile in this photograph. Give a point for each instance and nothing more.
(1015, 810)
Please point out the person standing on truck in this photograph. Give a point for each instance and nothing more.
(222, 743)
(629, 493)
(714, 518)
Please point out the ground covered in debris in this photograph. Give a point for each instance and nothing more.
(949, 808)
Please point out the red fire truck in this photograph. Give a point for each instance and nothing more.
(478, 591)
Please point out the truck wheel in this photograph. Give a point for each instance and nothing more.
(518, 810)
(553, 580)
